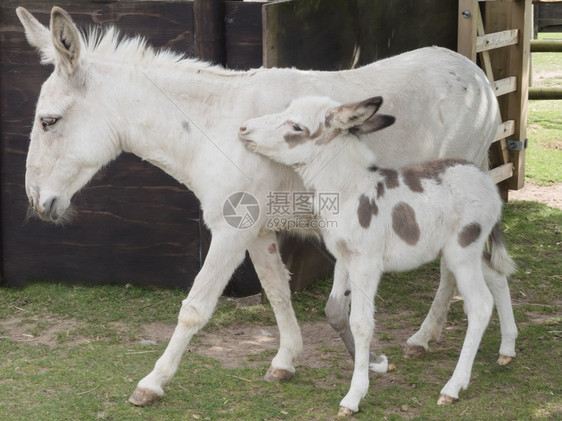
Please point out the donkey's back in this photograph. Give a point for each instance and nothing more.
(444, 104)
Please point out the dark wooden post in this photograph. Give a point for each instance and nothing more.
(208, 16)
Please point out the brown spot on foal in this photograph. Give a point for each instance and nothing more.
(404, 223)
(366, 209)
(469, 234)
(414, 174)
(296, 138)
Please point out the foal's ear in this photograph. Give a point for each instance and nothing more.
(37, 35)
(359, 117)
(66, 40)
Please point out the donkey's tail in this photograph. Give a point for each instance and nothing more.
(499, 259)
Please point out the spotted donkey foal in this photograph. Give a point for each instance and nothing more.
(393, 220)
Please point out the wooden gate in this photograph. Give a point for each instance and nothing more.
(500, 33)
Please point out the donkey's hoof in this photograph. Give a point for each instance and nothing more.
(379, 364)
(345, 412)
(414, 351)
(504, 360)
(144, 397)
(277, 375)
(445, 400)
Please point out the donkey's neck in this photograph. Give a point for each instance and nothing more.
(183, 121)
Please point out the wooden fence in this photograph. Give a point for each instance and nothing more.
(502, 40)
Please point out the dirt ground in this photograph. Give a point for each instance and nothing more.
(550, 195)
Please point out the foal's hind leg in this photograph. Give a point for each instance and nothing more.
(224, 256)
(433, 324)
(274, 279)
(497, 283)
(478, 305)
(337, 312)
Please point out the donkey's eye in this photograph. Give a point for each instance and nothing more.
(48, 121)
(294, 126)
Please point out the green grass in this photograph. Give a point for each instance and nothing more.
(544, 129)
(89, 374)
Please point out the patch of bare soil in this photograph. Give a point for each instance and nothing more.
(44, 330)
(549, 195)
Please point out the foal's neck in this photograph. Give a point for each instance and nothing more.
(341, 166)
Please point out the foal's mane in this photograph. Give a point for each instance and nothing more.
(108, 44)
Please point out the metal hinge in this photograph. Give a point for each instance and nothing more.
(517, 145)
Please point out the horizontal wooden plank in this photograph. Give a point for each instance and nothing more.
(545, 93)
(497, 40)
(507, 128)
(546, 46)
(501, 173)
(504, 86)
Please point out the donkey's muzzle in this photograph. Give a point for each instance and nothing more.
(50, 209)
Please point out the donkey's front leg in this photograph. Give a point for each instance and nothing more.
(365, 278)
(274, 277)
(225, 255)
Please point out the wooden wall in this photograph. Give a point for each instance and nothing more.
(134, 223)
(335, 34)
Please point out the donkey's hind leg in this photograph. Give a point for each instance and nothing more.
(274, 278)
(497, 283)
(224, 256)
(434, 322)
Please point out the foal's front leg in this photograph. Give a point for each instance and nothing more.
(337, 312)
(274, 278)
(364, 280)
(225, 254)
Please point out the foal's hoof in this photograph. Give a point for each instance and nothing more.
(144, 397)
(345, 412)
(277, 375)
(414, 351)
(504, 360)
(445, 400)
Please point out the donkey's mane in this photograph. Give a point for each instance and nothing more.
(108, 44)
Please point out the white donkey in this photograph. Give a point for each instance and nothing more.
(392, 220)
(106, 96)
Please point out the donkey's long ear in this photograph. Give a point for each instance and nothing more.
(37, 35)
(66, 40)
(359, 117)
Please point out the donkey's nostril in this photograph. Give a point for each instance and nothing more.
(49, 207)
(243, 129)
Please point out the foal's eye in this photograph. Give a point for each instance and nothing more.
(48, 121)
(294, 126)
